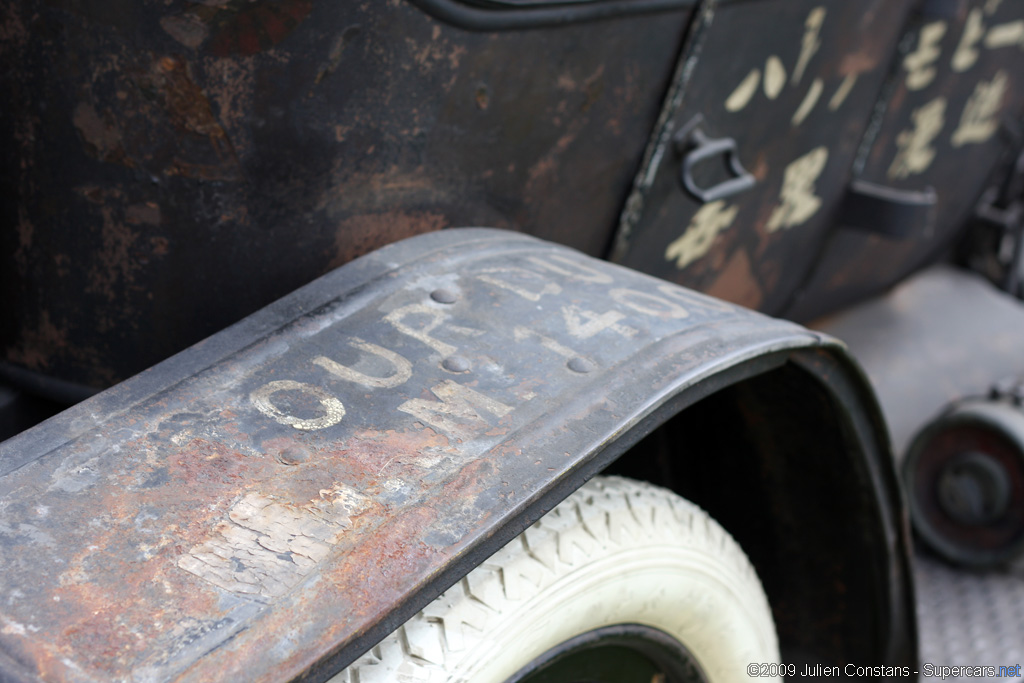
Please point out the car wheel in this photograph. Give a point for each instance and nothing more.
(621, 582)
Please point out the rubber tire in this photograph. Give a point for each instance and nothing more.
(617, 551)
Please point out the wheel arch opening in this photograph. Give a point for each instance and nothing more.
(793, 463)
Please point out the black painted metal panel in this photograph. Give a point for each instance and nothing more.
(168, 168)
(793, 84)
(952, 117)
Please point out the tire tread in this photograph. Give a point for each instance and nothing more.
(607, 511)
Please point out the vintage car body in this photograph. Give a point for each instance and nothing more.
(172, 168)
(222, 162)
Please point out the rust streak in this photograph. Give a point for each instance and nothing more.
(359, 235)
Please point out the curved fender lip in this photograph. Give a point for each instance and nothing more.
(272, 501)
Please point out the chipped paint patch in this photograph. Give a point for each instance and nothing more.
(146, 213)
(267, 546)
(101, 138)
(188, 29)
(13, 33)
(26, 231)
(361, 234)
(13, 628)
(737, 282)
(39, 344)
(116, 263)
(189, 110)
(336, 52)
(231, 84)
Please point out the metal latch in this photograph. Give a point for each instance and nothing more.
(694, 146)
(1000, 212)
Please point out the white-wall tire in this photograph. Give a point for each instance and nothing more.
(616, 551)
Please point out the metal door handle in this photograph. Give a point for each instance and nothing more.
(695, 146)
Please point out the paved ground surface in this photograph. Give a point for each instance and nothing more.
(938, 337)
(969, 618)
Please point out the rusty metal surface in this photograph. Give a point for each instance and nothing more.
(952, 115)
(796, 99)
(169, 167)
(286, 492)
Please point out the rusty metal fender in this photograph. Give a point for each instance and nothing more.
(269, 503)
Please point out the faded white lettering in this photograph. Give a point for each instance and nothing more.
(648, 304)
(797, 199)
(262, 400)
(810, 99)
(458, 413)
(402, 367)
(842, 92)
(810, 43)
(521, 334)
(571, 269)
(920, 63)
(915, 151)
(700, 234)
(519, 286)
(774, 77)
(397, 318)
(584, 324)
(966, 51)
(775, 73)
(743, 93)
(1005, 35)
(980, 118)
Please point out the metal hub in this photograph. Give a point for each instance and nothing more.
(965, 483)
(974, 489)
